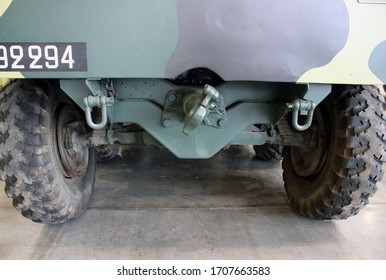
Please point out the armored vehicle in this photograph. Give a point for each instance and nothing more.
(193, 77)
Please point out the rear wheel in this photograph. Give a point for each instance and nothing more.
(49, 176)
(335, 179)
(268, 152)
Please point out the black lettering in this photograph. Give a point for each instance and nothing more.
(123, 271)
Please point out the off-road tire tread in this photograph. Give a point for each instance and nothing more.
(26, 165)
(357, 160)
(268, 152)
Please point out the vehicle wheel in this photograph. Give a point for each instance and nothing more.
(268, 152)
(47, 174)
(106, 152)
(335, 179)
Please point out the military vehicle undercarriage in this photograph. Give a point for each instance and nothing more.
(50, 129)
(292, 79)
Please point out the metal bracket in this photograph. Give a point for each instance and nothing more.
(100, 101)
(99, 98)
(301, 105)
(193, 108)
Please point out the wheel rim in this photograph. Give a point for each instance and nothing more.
(72, 156)
(311, 162)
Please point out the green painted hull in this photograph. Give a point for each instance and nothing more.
(293, 41)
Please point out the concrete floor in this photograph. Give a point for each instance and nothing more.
(150, 205)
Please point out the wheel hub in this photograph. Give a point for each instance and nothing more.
(310, 162)
(73, 156)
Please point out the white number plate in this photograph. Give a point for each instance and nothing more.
(43, 57)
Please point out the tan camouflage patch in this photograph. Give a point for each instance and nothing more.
(8, 75)
(351, 64)
(4, 4)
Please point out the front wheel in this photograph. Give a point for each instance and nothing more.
(335, 179)
(49, 176)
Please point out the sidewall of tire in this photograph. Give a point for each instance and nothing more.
(355, 153)
(306, 189)
(77, 201)
(34, 176)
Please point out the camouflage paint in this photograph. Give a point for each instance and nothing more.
(319, 41)
(125, 38)
(351, 65)
(377, 62)
(264, 40)
(4, 4)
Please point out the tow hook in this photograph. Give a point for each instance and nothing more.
(299, 106)
(193, 108)
(196, 108)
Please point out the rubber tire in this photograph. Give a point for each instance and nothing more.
(353, 165)
(106, 152)
(268, 152)
(29, 163)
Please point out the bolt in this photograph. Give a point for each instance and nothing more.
(172, 97)
(167, 122)
(222, 123)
